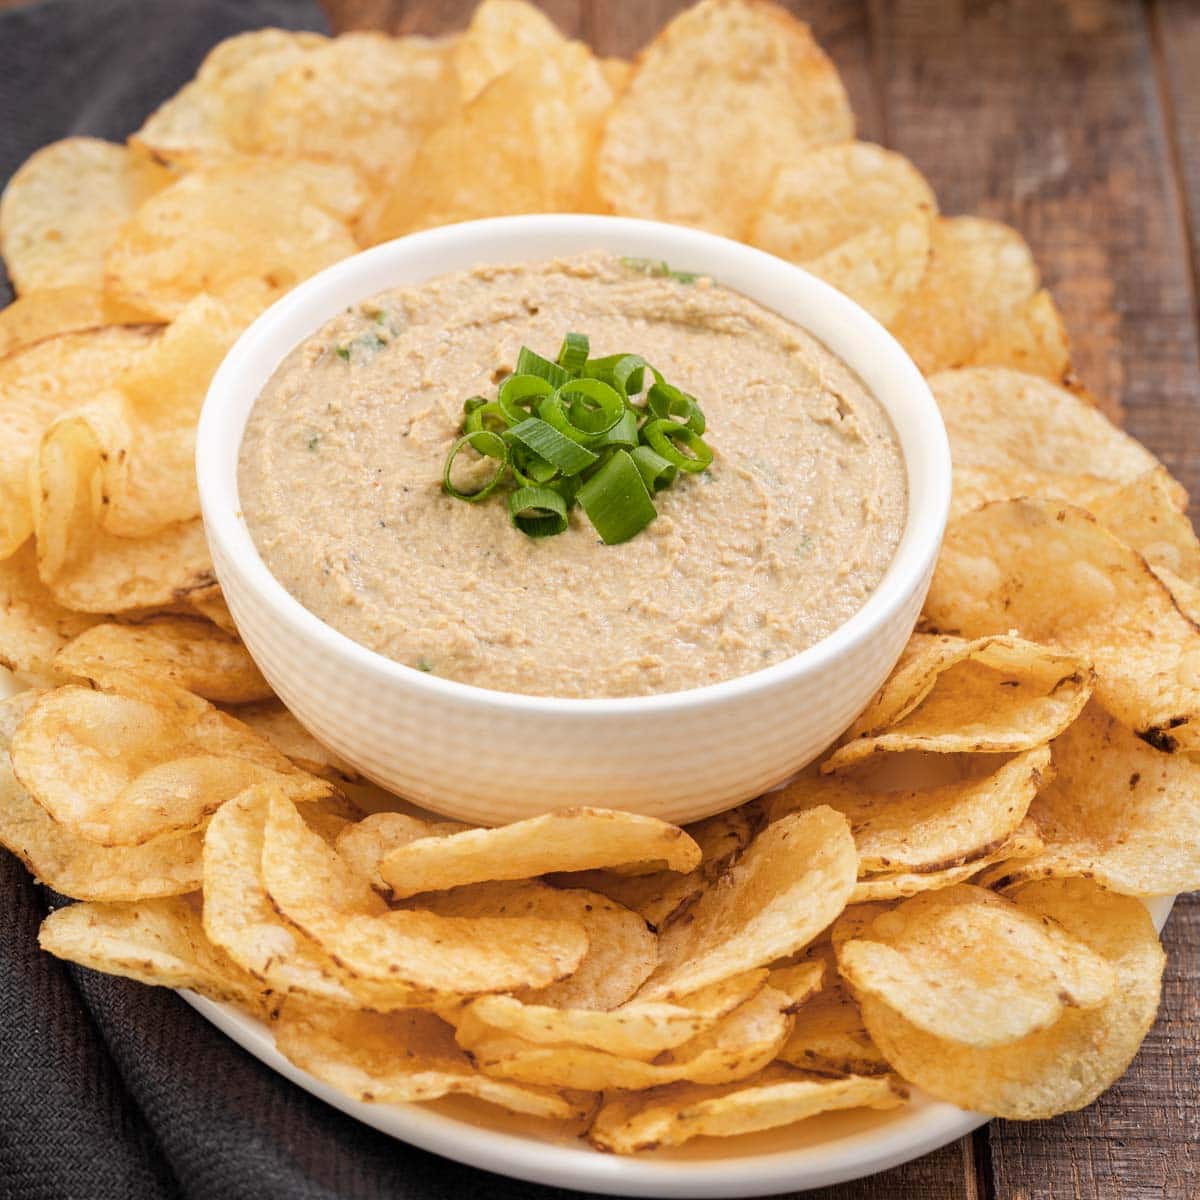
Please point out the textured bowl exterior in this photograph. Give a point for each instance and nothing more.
(489, 757)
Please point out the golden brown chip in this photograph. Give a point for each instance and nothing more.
(83, 870)
(1005, 419)
(272, 722)
(993, 695)
(37, 385)
(789, 885)
(833, 194)
(980, 273)
(753, 80)
(65, 206)
(264, 224)
(970, 967)
(639, 1029)
(522, 145)
(212, 117)
(573, 839)
(33, 626)
(363, 98)
(880, 267)
(501, 34)
(926, 829)
(779, 1095)
(1068, 1065)
(1050, 573)
(1033, 339)
(741, 1043)
(51, 312)
(400, 1057)
(316, 890)
(1118, 811)
(160, 942)
(137, 760)
(976, 486)
(367, 843)
(192, 654)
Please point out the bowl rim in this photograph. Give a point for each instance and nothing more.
(288, 320)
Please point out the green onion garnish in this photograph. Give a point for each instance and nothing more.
(579, 430)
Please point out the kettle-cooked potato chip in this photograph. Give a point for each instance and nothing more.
(159, 942)
(51, 312)
(750, 77)
(980, 273)
(273, 723)
(1067, 1065)
(1033, 339)
(789, 885)
(367, 843)
(779, 1095)
(926, 829)
(1052, 574)
(501, 33)
(970, 967)
(136, 760)
(64, 208)
(831, 194)
(1118, 811)
(319, 892)
(572, 839)
(994, 695)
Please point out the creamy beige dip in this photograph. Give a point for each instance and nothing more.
(767, 552)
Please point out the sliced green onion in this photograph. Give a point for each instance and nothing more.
(665, 400)
(547, 443)
(625, 372)
(573, 353)
(663, 436)
(529, 363)
(624, 433)
(489, 417)
(519, 396)
(655, 470)
(484, 442)
(537, 511)
(616, 500)
(583, 409)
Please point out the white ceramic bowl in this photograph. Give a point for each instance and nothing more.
(489, 757)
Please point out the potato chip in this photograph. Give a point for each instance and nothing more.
(1066, 1066)
(160, 942)
(51, 312)
(761, 89)
(572, 839)
(83, 870)
(522, 145)
(779, 1095)
(400, 1057)
(316, 890)
(639, 1029)
(798, 981)
(137, 760)
(791, 883)
(239, 916)
(33, 626)
(1001, 418)
(927, 829)
(833, 194)
(993, 695)
(1050, 573)
(366, 844)
(621, 953)
(266, 223)
(1118, 812)
(1025, 842)
(977, 486)
(980, 273)
(192, 654)
(211, 117)
(1033, 339)
(273, 723)
(880, 267)
(970, 967)
(741, 1043)
(501, 33)
(209, 603)
(659, 895)
(364, 98)
(828, 1034)
(39, 384)
(65, 206)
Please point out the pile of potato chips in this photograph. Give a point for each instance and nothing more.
(949, 900)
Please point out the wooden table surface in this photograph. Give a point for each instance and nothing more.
(1078, 121)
